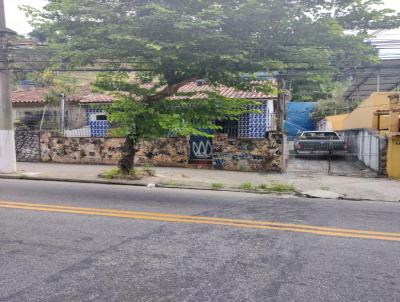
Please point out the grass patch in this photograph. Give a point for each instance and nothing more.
(217, 186)
(135, 174)
(263, 187)
(282, 188)
(277, 188)
(246, 186)
(325, 188)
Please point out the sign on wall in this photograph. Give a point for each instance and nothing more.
(200, 148)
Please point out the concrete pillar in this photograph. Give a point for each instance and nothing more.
(394, 125)
(7, 140)
(375, 121)
(393, 159)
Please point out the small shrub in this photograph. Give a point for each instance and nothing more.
(217, 186)
(111, 174)
(277, 188)
(263, 187)
(246, 186)
(325, 188)
(282, 188)
(135, 174)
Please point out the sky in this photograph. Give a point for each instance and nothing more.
(15, 18)
(17, 21)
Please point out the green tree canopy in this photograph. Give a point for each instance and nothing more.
(213, 39)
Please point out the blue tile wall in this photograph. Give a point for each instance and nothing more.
(255, 125)
(97, 128)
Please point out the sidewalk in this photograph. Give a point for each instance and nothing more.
(314, 186)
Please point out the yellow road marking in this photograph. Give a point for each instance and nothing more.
(257, 222)
(326, 231)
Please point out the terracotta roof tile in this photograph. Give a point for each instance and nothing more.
(228, 92)
(28, 96)
(96, 98)
(36, 96)
(86, 96)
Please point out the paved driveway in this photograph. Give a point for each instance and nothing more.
(321, 165)
(345, 166)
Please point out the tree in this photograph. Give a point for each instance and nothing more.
(334, 105)
(184, 114)
(216, 40)
(38, 35)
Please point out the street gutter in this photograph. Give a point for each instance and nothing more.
(138, 184)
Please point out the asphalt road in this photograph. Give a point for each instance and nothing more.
(75, 242)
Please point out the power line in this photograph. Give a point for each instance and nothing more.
(80, 69)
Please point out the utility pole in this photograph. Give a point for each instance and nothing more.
(7, 140)
(281, 106)
(378, 88)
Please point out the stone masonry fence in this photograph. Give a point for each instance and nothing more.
(235, 154)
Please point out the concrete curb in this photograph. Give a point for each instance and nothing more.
(296, 193)
(133, 184)
(71, 180)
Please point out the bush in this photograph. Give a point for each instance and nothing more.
(277, 188)
(246, 186)
(135, 174)
(217, 186)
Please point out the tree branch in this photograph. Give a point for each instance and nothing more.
(167, 91)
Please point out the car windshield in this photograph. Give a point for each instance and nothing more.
(320, 135)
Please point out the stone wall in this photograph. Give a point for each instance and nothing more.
(27, 145)
(262, 155)
(167, 152)
(163, 152)
(79, 150)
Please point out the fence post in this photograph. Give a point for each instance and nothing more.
(379, 156)
(40, 145)
(62, 113)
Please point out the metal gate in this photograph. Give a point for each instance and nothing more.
(351, 164)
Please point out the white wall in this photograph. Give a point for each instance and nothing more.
(366, 146)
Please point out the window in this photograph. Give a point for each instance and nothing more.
(101, 117)
(94, 117)
(320, 135)
(229, 127)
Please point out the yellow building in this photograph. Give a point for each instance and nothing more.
(393, 155)
(332, 123)
(379, 112)
(363, 116)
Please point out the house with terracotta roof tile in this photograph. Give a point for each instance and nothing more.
(84, 115)
(30, 106)
(249, 125)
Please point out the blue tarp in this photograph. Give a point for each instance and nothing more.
(298, 117)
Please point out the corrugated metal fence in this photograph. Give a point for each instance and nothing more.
(369, 147)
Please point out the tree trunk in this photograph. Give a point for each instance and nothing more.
(129, 149)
